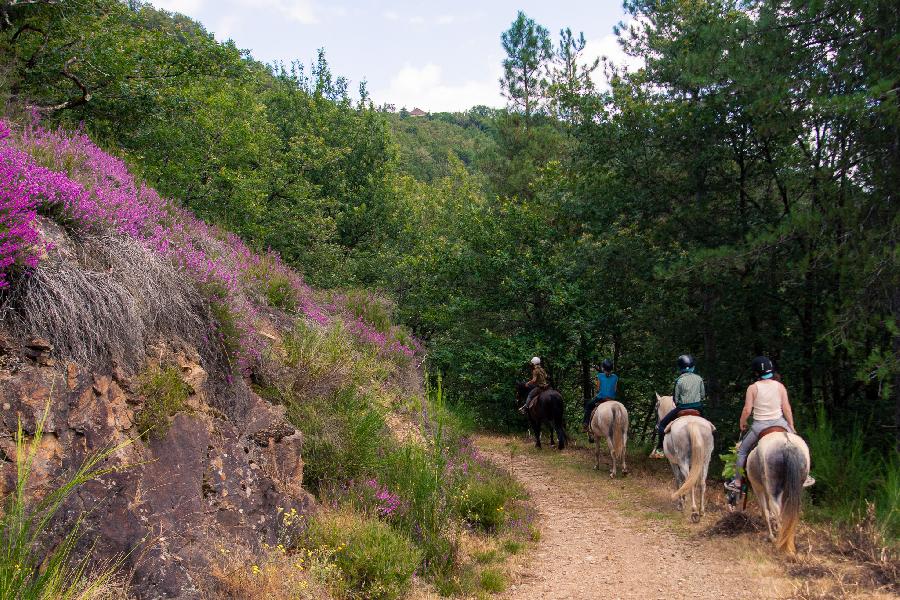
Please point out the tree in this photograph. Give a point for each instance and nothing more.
(528, 49)
(570, 81)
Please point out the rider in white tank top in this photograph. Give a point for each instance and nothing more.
(767, 404)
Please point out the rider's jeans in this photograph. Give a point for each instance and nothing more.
(752, 437)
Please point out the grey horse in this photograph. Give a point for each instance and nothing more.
(777, 469)
(688, 446)
(610, 419)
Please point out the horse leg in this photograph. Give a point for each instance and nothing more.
(597, 452)
(536, 430)
(703, 489)
(676, 469)
(624, 452)
(612, 455)
(695, 516)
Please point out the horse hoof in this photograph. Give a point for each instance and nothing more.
(596, 467)
(695, 517)
(612, 475)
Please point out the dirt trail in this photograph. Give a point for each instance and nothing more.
(622, 538)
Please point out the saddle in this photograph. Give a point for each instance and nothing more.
(768, 430)
(689, 412)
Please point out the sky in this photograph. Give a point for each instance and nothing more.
(437, 56)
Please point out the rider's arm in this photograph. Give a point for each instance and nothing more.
(748, 406)
(786, 408)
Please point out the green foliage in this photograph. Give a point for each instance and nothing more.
(528, 48)
(164, 393)
(343, 437)
(482, 501)
(729, 462)
(493, 580)
(376, 562)
(849, 474)
(26, 572)
(371, 309)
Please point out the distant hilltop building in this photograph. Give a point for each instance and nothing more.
(417, 112)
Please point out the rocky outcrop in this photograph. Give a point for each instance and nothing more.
(172, 503)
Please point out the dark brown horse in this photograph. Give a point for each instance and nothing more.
(548, 406)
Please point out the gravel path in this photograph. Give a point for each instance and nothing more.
(622, 538)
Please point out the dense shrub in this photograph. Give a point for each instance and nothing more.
(376, 562)
(848, 474)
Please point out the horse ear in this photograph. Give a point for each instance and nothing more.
(657, 396)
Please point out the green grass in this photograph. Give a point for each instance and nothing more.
(164, 393)
(486, 557)
(27, 570)
(493, 580)
(513, 547)
(848, 475)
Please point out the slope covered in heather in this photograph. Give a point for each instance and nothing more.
(234, 399)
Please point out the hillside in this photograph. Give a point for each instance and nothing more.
(211, 393)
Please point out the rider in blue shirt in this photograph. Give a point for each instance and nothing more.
(607, 384)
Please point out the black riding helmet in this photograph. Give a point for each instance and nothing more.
(761, 365)
(685, 361)
(607, 365)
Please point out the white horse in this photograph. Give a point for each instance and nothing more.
(777, 469)
(610, 419)
(688, 446)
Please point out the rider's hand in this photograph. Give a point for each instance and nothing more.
(743, 427)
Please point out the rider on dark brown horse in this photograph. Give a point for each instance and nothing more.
(536, 385)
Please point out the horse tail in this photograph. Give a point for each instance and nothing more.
(619, 423)
(792, 492)
(697, 452)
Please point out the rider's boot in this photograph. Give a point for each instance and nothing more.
(657, 453)
(734, 485)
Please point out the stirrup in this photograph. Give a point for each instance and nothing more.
(657, 453)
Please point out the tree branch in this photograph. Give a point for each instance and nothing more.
(72, 102)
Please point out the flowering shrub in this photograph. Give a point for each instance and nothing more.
(19, 240)
(66, 177)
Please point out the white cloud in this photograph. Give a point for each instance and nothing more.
(391, 15)
(608, 48)
(424, 87)
(417, 20)
(446, 20)
(185, 7)
(302, 11)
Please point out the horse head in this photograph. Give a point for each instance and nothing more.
(664, 404)
(521, 391)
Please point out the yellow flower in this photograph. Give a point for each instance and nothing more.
(255, 569)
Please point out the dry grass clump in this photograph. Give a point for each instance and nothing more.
(867, 544)
(735, 523)
(109, 304)
(275, 575)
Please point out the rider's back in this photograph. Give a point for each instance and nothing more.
(767, 402)
(689, 391)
